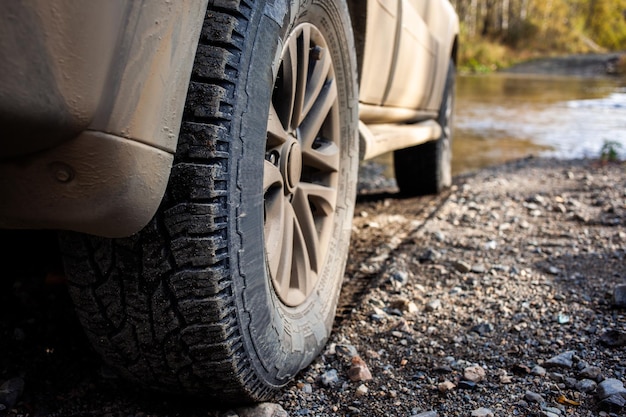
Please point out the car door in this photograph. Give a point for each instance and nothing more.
(399, 59)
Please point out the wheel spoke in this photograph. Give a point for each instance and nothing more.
(319, 148)
(276, 134)
(318, 77)
(311, 203)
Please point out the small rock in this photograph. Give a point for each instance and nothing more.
(462, 267)
(359, 370)
(538, 370)
(479, 268)
(591, 372)
(433, 305)
(563, 360)
(426, 414)
(613, 404)
(619, 296)
(533, 397)
(482, 328)
(482, 412)
(263, 410)
(474, 373)
(400, 278)
(329, 378)
(346, 350)
(429, 255)
(553, 270)
(362, 390)
(445, 386)
(307, 388)
(585, 385)
(10, 391)
(613, 338)
(609, 387)
(468, 385)
(552, 410)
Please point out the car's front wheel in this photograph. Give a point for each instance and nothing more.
(231, 289)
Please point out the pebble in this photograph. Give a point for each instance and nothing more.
(474, 373)
(563, 360)
(359, 370)
(482, 328)
(610, 386)
(533, 397)
(591, 372)
(613, 338)
(426, 414)
(10, 391)
(263, 410)
(433, 305)
(482, 412)
(362, 390)
(445, 386)
(585, 385)
(619, 296)
(538, 370)
(329, 377)
(462, 266)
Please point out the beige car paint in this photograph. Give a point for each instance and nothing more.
(405, 85)
(123, 83)
(113, 77)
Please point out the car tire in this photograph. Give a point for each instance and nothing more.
(231, 289)
(427, 168)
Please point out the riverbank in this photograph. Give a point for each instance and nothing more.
(581, 65)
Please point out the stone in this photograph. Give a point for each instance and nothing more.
(426, 414)
(359, 370)
(482, 328)
(613, 404)
(445, 386)
(585, 385)
(619, 296)
(10, 391)
(329, 378)
(462, 266)
(563, 360)
(433, 305)
(479, 269)
(346, 350)
(263, 410)
(538, 370)
(362, 390)
(474, 373)
(468, 385)
(591, 372)
(613, 338)
(610, 386)
(482, 412)
(533, 397)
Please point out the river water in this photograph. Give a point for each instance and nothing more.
(500, 117)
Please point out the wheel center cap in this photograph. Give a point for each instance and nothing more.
(292, 168)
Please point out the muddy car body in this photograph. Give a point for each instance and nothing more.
(199, 159)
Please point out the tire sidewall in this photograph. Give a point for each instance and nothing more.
(281, 340)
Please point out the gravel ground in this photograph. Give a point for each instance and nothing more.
(508, 300)
(504, 296)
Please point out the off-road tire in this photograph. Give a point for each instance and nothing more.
(188, 305)
(427, 168)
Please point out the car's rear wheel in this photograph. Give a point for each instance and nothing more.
(427, 168)
(231, 289)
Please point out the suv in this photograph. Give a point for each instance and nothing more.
(200, 158)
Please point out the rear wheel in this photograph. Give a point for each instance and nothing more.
(427, 168)
(231, 289)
